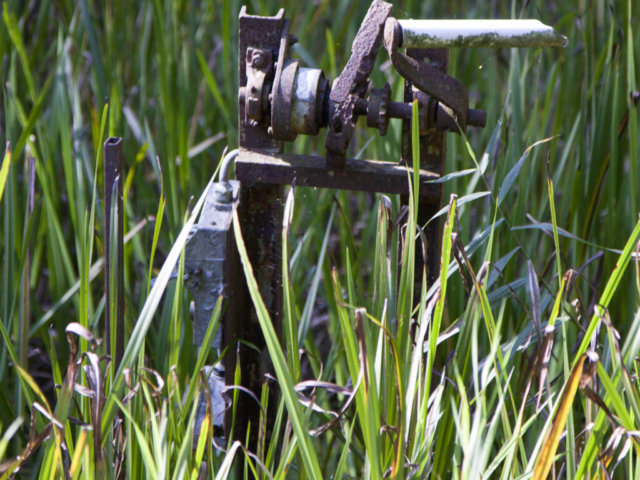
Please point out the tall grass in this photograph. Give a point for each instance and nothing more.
(518, 362)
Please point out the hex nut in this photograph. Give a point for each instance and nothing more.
(223, 192)
(257, 60)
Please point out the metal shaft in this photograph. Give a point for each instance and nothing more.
(114, 172)
(478, 34)
(403, 111)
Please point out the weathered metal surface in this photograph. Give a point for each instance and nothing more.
(478, 34)
(476, 118)
(278, 92)
(340, 132)
(354, 79)
(354, 82)
(283, 89)
(426, 78)
(260, 213)
(210, 259)
(308, 100)
(433, 145)
(264, 33)
(360, 175)
(299, 101)
(114, 172)
(259, 73)
(378, 109)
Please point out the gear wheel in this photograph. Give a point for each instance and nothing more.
(383, 118)
(378, 101)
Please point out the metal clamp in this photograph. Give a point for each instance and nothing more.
(210, 258)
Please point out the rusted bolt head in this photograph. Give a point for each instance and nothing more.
(223, 192)
(257, 59)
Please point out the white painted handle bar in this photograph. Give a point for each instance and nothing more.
(478, 34)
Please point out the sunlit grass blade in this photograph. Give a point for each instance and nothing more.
(308, 453)
(547, 453)
(610, 289)
(146, 315)
(4, 171)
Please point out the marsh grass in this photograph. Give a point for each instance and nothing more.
(518, 362)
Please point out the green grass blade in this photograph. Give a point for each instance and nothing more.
(307, 451)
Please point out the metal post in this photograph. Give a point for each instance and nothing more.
(260, 212)
(433, 147)
(114, 172)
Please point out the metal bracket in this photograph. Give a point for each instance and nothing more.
(210, 264)
(256, 93)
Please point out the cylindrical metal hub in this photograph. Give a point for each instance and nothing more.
(298, 106)
(306, 116)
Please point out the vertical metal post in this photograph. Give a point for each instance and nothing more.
(260, 212)
(433, 149)
(114, 172)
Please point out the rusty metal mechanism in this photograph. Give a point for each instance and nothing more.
(280, 97)
(278, 100)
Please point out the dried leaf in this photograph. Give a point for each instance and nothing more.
(328, 386)
(552, 438)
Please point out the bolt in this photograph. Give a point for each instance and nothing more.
(218, 369)
(257, 60)
(223, 192)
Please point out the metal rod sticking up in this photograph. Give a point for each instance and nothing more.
(114, 172)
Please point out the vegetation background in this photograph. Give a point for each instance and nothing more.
(538, 347)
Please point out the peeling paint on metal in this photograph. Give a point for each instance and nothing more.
(478, 34)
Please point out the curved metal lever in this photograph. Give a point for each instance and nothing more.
(442, 87)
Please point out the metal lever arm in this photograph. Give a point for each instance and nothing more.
(442, 87)
(354, 82)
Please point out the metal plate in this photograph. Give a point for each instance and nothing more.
(210, 263)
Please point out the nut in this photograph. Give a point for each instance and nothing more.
(257, 59)
(223, 192)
